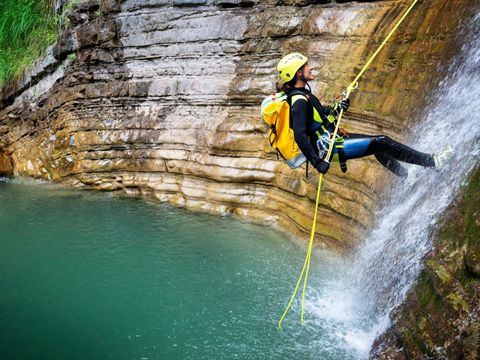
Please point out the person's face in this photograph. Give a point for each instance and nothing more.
(307, 72)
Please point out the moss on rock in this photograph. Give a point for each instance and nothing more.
(441, 315)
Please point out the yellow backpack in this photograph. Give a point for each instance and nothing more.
(276, 113)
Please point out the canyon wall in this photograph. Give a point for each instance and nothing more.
(160, 98)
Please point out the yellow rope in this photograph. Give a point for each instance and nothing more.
(306, 263)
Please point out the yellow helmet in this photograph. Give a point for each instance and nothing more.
(289, 65)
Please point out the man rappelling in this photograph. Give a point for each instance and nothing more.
(313, 126)
(303, 130)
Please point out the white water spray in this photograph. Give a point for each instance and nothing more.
(389, 262)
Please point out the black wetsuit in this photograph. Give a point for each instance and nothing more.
(306, 125)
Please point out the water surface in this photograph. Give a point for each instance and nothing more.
(90, 276)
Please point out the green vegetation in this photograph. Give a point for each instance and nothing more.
(446, 295)
(27, 28)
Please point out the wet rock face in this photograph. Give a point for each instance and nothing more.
(441, 317)
(160, 98)
(6, 166)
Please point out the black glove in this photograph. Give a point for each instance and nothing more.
(344, 104)
(323, 166)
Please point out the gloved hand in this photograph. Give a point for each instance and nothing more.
(323, 166)
(344, 104)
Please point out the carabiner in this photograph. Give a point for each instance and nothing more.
(350, 90)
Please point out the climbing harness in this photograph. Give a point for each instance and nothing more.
(323, 144)
(353, 85)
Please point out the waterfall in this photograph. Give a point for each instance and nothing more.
(388, 263)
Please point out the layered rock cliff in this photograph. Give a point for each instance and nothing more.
(160, 98)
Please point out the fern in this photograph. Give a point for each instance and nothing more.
(27, 28)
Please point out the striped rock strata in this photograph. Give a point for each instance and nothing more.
(160, 98)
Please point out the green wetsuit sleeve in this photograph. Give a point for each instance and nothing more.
(330, 126)
(323, 112)
(299, 124)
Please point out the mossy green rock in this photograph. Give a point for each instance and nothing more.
(440, 318)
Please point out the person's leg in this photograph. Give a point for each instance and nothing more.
(386, 150)
(386, 145)
(357, 146)
(391, 164)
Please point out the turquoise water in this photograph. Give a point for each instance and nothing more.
(92, 276)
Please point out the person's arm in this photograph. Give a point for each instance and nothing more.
(299, 125)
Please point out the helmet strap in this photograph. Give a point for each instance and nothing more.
(302, 77)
